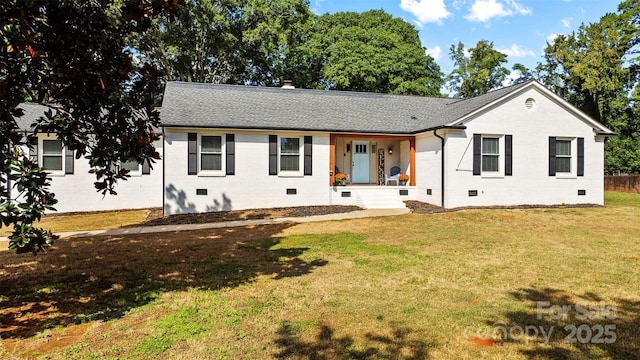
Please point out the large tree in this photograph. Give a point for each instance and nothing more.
(595, 69)
(72, 57)
(228, 41)
(477, 70)
(370, 51)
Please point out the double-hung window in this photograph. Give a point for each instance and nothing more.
(566, 156)
(211, 151)
(208, 154)
(290, 154)
(490, 154)
(563, 156)
(52, 155)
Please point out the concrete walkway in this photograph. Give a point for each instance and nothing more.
(226, 224)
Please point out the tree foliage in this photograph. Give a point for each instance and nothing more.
(595, 70)
(370, 51)
(478, 72)
(73, 58)
(263, 42)
(523, 74)
(227, 41)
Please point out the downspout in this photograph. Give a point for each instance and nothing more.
(164, 189)
(435, 132)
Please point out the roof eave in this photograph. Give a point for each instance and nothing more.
(284, 128)
(442, 127)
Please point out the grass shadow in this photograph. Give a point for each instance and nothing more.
(564, 325)
(398, 344)
(103, 277)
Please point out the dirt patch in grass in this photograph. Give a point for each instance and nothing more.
(420, 207)
(156, 218)
(49, 341)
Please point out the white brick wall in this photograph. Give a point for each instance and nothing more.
(428, 168)
(530, 183)
(251, 186)
(76, 192)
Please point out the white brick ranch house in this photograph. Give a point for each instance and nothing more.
(229, 147)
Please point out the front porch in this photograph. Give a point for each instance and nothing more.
(373, 196)
(369, 159)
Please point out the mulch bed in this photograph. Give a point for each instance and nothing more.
(155, 217)
(419, 207)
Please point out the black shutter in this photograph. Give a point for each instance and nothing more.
(552, 156)
(308, 146)
(273, 155)
(508, 155)
(580, 156)
(146, 167)
(68, 161)
(477, 154)
(193, 154)
(231, 154)
(33, 147)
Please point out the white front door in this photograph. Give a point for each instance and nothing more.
(360, 162)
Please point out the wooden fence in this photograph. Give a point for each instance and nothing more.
(623, 183)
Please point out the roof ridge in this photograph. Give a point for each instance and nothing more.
(323, 91)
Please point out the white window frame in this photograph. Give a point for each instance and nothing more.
(573, 162)
(41, 154)
(500, 155)
(300, 171)
(223, 151)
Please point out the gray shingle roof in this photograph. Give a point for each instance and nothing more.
(463, 107)
(32, 112)
(250, 107)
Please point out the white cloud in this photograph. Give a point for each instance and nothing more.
(517, 51)
(435, 52)
(426, 11)
(552, 37)
(485, 10)
(518, 8)
(566, 22)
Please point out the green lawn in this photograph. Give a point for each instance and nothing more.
(438, 286)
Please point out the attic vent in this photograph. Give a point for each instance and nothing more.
(529, 103)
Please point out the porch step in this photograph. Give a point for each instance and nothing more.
(380, 198)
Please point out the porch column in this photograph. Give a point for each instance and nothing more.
(412, 161)
(332, 158)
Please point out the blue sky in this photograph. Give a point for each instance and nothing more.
(518, 28)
